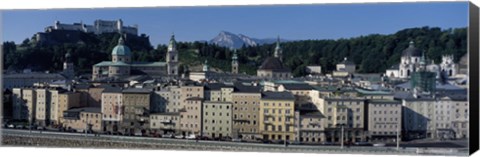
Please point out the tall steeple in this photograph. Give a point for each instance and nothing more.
(172, 45)
(205, 66)
(172, 57)
(234, 62)
(278, 50)
(68, 66)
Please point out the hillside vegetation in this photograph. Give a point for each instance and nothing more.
(372, 53)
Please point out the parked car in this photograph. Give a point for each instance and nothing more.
(168, 136)
(191, 137)
(237, 140)
(11, 126)
(20, 127)
(362, 144)
(179, 136)
(266, 141)
(327, 143)
(226, 138)
(379, 145)
(41, 128)
(205, 138)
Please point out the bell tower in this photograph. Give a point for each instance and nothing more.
(234, 62)
(172, 57)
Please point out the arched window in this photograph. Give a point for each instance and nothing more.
(408, 72)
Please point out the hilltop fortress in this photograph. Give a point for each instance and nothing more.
(71, 32)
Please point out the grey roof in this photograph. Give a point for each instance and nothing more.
(82, 86)
(240, 88)
(372, 92)
(438, 86)
(394, 67)
(277, 95)
(86, 109)
(274, 64)
(148, 64)
(412, 51)
(311, 113)
(347, 62)
(110, 63)
(136, 90)
(298, 86)
(409, 96)
(214, 86)
(34, 76)
(384, 101)
(112, 90)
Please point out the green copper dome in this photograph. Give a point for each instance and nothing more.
(121, 49)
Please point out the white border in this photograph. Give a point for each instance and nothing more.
(49, 4)
(57, 4)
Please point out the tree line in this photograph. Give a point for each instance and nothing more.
(371, 53)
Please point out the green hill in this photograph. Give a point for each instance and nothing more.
(372, 53)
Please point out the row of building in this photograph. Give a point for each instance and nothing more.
(276, 110)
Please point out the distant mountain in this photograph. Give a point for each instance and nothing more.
(231, 40)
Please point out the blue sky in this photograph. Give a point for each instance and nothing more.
(295, 22)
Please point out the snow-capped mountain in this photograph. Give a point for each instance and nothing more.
(230, 40)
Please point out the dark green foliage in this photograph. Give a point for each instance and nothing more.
(372, 54)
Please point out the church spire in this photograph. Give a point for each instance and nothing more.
(205, 66)
(234, 62)
(278, 50)
(172, 44)
(121, 41)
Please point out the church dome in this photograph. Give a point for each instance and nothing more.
(121, 49)
(412, 51)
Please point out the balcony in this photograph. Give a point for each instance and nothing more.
(289, 114)
(268, 114)
(267, 122)
(166, 121)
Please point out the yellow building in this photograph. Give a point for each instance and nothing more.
(66, 100)
(277, 116)
(81, 119)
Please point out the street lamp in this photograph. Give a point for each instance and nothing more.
(343, 129)
(398, 135)
(285, 132)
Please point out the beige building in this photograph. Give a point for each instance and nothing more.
(245, 111)
(42, 110)
(384, 119)
(178, 95)
(160, 100)
(309, 127)
(66, 100)
(112, 109)
(164, 123)
(81, 119)
(277, 116)
(217, 119)
(443, 117)
(191, 117)
(136, 104)
(54, 117)
(349, 112)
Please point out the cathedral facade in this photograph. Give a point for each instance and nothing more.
(123, 66)
(410, 62)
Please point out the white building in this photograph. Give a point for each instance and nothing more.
(410, 62)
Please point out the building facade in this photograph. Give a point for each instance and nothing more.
(217, 119)
(277, 116)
